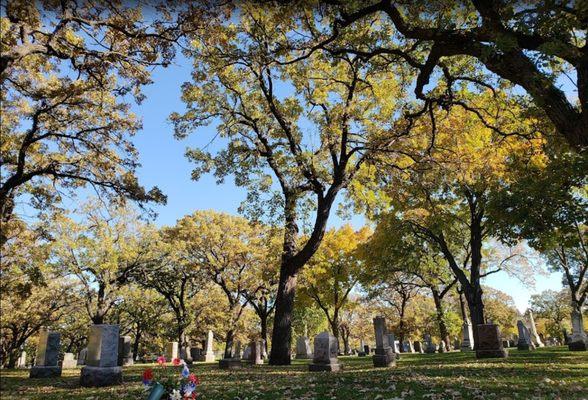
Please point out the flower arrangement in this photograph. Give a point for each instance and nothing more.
(173, 382)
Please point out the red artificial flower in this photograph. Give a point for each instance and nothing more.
(176, 361)
(148, 374)
(194, 379)
(161, 360)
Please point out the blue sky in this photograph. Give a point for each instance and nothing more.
(164, 165)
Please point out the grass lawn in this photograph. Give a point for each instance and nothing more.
(548, 373)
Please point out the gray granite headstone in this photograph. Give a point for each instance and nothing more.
(361, 352)
(325, 353)
(186, 354)
(47, 357)
(303, 350)
(125, 355)
(578, 340)
(102, 358)
(430, 347)
(82, 356)
(524, 342)
(256, 353)
(234, 360)
(489, 344)
(384, 355)
(195, 353)
(247, 352)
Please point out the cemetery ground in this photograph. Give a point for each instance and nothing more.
(547, 373)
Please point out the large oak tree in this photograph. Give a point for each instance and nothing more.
(293, 134)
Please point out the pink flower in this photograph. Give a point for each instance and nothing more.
(176, 361)
(161, 360)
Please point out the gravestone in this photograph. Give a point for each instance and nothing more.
(102, 358)
(524, 342)
(567, 337)
(418, 347)
(442, 347)
(489, 343)
(171, 351)
(303, 350)
(467, 343)
(195, 353)
(407, 346)
(256, 355)
(209, 355)
(69, 361)
(47, 356)
(21, 362)
(186, 354)
(247, 352)
(384, 356)
(578, 341)
(394, 345)
(533, 330)
(264, 349)
(234, 361)
(430, 347)
(362, 352)
(325, 353)
(125, 355)
(456, 344)
(82, 356)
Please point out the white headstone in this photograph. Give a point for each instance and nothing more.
(209, 355)
(69, 361)
(21, 362)
(533, 330)
(467, 343)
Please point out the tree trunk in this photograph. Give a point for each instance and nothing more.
(462, 306)
(292, 262)
(282, 332)
(443, 331)
(334, 322)
(138, 335)
(12, 357)
(263, 321)
(401, 327)
(345, 333)
(229, 343)
(476, 306)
